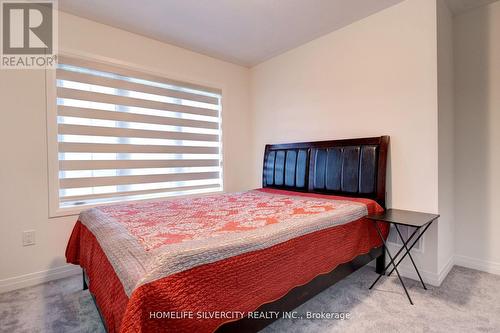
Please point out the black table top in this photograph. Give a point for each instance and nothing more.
(404, 217)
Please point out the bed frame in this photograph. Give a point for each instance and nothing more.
(352, 167)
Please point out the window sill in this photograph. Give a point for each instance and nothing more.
(76, 210)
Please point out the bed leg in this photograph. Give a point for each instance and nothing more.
(85, 287)
(380, 263)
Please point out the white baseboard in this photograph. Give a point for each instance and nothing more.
(435, 279)
(432, 278)
(33, 279)
(479, 264)
(428, 277)
(446, 269)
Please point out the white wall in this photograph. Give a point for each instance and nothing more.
(23, 150)
(446, 137)
(376, 76)
(477, 103)
(391, 73)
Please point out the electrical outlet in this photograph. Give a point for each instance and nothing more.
(28, 237)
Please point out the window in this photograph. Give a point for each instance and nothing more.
(127, 135)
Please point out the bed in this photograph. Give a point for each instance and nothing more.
(228, 262)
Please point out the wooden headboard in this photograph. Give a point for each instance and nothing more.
(352, 167)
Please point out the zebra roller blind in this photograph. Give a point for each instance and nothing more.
(127, 135)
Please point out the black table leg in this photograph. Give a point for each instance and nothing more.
(85, 287)
(411, 247)
(392, 261)
(409, 255)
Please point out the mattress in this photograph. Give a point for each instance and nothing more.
(193, 264)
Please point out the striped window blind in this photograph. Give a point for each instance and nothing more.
(127, 135)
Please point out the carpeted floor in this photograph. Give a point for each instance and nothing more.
(467, 301)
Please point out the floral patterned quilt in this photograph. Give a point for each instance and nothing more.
(147, 241)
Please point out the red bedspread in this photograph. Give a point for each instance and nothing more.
(239, 283)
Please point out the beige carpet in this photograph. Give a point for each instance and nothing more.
(467, 301)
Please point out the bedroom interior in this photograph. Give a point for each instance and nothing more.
(304, 166)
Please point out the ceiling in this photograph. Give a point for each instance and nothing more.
(461, 6)
(245, 32)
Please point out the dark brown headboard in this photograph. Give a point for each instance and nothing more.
(352, 167)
